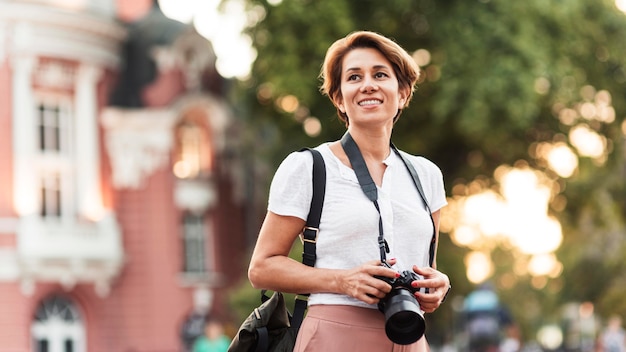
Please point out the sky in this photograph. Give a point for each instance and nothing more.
(223, 28)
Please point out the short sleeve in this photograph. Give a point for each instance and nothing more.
(292, 186)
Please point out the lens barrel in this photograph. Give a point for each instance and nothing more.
(404, 323)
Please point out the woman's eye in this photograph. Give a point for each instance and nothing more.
(380, 75)
(353, 77)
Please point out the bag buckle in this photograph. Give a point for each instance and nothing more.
(309, 239)
(302, 297)
(257, 314)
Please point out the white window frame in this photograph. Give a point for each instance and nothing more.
(56, 321)
(197, 245)
(55, 158)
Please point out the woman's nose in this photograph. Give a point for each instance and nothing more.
(368, 85)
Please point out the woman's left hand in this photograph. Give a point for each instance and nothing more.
(438, 285)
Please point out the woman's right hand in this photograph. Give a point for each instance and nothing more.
(361, 283)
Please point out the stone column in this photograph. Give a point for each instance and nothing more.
(26, 186)
(87, 143)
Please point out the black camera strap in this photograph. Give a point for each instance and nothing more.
(420, 190)
(367, 185)
(369, 188)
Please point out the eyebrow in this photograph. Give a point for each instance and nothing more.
(376, 67)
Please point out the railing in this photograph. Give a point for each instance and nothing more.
(68, 253)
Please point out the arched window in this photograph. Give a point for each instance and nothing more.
(193, 166)
(189, 155)
(57, 327)
(192, 157)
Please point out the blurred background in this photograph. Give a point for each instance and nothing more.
(138, 139)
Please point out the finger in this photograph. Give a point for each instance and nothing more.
(432, 299)
(373, 263)
(372, 295)
(427, 298)
(424, 271)
(427, 302)
(431, 275)
(369, 299)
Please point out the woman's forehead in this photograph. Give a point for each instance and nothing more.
(361, 58)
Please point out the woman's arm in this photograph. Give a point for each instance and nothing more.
(271, 268)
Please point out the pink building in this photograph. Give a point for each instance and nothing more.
(122, 200)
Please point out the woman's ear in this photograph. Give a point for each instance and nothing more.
(340, 107)
(402, 100)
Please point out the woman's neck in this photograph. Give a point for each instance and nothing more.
(374, 146)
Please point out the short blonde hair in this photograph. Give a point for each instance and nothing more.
(405, 68)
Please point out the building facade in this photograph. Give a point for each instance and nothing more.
(122, 200)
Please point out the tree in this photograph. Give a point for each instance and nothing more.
(502, 82)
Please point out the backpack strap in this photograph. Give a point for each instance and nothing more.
(311, 229)
(264, 339)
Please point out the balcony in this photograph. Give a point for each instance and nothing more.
(69, 253)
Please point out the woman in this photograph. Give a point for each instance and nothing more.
(369, 79)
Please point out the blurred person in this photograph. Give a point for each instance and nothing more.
(192, 328)
(370, 79)
(213, 339)
(511, 341)
(489, 324)
(613, 338)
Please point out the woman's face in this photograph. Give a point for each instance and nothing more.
(369, 87)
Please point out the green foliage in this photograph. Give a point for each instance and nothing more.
(498, 70)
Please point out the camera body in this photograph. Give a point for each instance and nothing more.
(404, 322)
(404, 281)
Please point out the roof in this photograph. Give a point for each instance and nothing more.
(139, 68)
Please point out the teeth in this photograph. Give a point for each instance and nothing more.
(370, 102)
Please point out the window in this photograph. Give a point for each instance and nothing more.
(53, 120)
(55, 159)
(194, 244)
(42, 345)
(50, 196)
(49, 117)
(188, 164)
(192, 157)
(57, 327)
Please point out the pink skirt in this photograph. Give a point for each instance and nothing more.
(343, 328)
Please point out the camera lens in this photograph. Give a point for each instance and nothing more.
(404, 323)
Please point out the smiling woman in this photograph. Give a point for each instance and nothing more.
(222, 27)
(377, 225)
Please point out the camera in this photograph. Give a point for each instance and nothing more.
(404, 322)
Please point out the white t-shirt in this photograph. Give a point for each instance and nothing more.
(349, 233)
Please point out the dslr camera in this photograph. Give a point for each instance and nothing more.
(404, 322)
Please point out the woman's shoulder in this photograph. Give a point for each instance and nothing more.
(302, 157)
(299, 163)
(422, 163)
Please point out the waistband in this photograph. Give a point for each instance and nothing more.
(350, 315)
